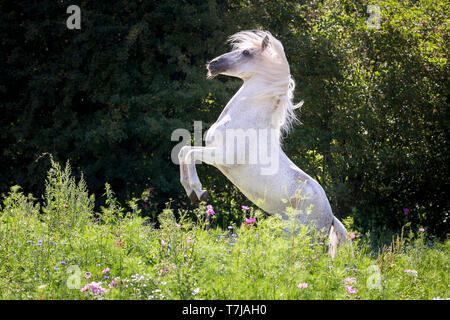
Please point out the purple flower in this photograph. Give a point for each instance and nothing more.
(405, 210)
(94, 287)
(62, 263)
(245, 208)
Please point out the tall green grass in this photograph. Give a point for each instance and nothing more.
(65, 250)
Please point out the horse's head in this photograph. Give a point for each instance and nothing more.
(254, 52)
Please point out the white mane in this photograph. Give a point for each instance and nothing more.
(275, 68)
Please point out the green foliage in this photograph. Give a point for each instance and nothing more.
(124, 257)
(375, 123)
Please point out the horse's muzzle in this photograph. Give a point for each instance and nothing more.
(217, 66)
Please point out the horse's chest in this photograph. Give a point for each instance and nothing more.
(216, 134)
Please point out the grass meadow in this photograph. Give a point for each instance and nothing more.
(60, 248)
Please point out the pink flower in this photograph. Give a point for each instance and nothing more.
(106, 270)
(163, 243)
(351, 235)
(65, 205)
(177, 225)
(189, 240)
(350, 280)
(210, 210)
(245, 208)
(302, 285)
(351, 290)
(249, 222)
(119, 243)
(421, 229)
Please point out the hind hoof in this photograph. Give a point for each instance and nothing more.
(193, 197)
(204, 196)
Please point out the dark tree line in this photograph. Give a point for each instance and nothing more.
(107, 97)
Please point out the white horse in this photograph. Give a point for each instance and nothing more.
(255, 117)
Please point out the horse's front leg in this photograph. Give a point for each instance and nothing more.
(209, 155)
(184, 177)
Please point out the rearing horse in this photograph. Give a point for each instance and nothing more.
(255, 118)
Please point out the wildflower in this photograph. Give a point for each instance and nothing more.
(230, 227)
(351, 235)
(249, 222)
(421, 229)
(106, 270)
(70, 226)
(411, 273)
(210, 210)
(87, 275)
(29, 241)
(119, 243)
(234, 235)
(350, 280)
(94, 287)
(65, 244)
(405, 210)
(56, 269)
(65, 205)
(263, 252)
(62, 263)
(189, 240)
(302, 285)
(195, 291)
(106, 277)
(351, 290)
(39, 243)
(113, 283)
(245, 208)
(163, 243)
(177, 225)
(144, 205)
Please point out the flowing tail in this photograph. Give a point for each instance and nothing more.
(338, 236)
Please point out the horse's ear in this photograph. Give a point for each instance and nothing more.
(265, 43)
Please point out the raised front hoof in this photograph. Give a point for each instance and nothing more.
(193, 198)
(204, 196)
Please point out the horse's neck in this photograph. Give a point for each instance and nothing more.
(251, 98)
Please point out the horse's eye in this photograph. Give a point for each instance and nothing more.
(246, 53)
